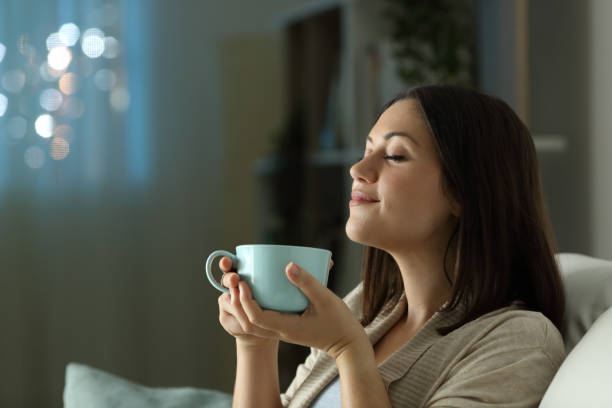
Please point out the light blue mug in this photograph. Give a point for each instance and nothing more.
(262, 267)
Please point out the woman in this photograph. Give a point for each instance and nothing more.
(461, 301)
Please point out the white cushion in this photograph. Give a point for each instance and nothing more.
(585, 378)
(588, 287)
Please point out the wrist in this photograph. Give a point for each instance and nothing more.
(360, 350)
(256, 343)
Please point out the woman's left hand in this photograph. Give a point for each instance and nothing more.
(327, 323)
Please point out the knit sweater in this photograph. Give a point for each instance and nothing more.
(505, 358)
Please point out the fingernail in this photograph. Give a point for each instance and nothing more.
(293, 270)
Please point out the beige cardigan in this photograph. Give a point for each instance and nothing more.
(505, 358)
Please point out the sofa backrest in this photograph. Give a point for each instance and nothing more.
(588, 290)
(585, 379)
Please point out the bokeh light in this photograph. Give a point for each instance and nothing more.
(13, 81)
(34, 157)
(105, 79)
(120, 99)
(24, 47)
(92, 43)
(72, 108)
(111, 47)
(65, 132)
(59, 58)
(59, 148)
(44, 125)
(16, 127)
(2, 51)
(53, 40)
(45, 73)
(69, 83)
(51, 99)
(69, 34)
(3, 104)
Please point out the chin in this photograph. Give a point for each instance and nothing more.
(358, 235)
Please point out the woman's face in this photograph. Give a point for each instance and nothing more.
(403, 174)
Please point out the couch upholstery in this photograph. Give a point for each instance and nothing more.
(585, 379)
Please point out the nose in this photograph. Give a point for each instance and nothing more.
(362, 171)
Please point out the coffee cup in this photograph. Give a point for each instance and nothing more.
(262, 267)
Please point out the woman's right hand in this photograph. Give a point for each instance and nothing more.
(233, 317)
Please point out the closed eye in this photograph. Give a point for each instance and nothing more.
(394, 158)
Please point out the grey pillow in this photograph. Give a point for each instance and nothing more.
(89, 387)
(588, 289)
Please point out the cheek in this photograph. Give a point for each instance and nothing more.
(416, 203)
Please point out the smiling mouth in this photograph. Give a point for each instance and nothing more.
(354, 203)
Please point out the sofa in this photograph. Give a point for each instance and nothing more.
(584, 379)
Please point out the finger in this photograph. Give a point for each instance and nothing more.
(230, 279)
(269, 321)
(308, 284)
(252, 309)
(238, 311)
(225, 264)
(331, 263)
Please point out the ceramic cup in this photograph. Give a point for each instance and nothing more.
(262, 267)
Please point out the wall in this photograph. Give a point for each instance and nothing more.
(599, 86)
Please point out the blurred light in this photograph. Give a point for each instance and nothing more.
(65, 132)
(44, 125)
(69, 34)
(59, 58)
(53, 40)
(51, 99)
(69, 83)
(92, 43)
(59, 148)
(111, 47)
(2, 51)
(23, 44)
(44, 71)
(13, 81)
(72, 108)
(16, 127)
(105, 79)
(3, 104)
(34, 157)
(120, 99)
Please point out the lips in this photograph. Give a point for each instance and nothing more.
(360, 196)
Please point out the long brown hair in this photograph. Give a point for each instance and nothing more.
(503, 245)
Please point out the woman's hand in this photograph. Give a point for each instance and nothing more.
(231, 314)
(327, 323)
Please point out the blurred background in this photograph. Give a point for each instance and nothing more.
(138, 136)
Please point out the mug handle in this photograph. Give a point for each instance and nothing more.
(209, 262)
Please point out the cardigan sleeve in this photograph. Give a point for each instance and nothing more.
(353, 301)
(511, 367)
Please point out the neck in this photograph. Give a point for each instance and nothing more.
(425, 285)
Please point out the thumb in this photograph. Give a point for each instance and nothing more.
(307, 283)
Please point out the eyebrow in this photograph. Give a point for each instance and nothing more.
(391, 134)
